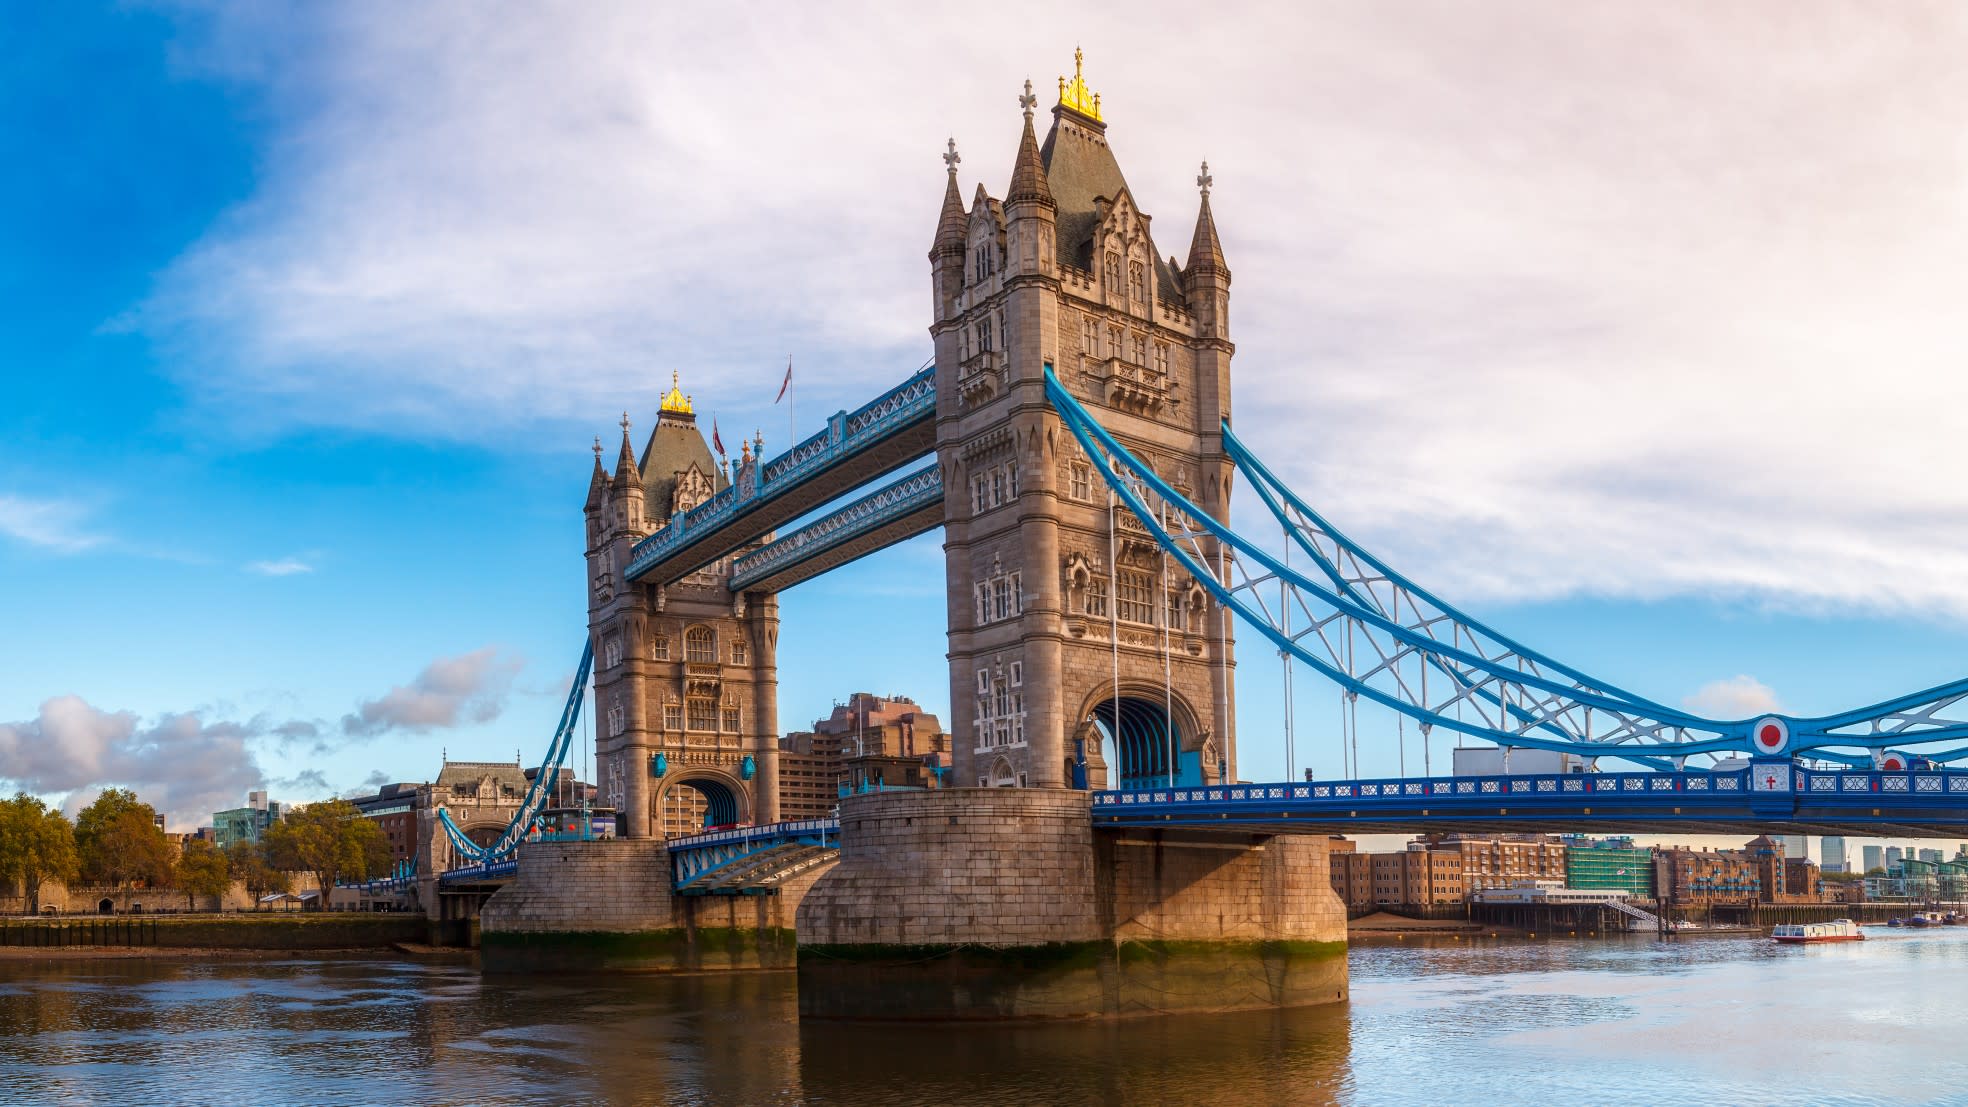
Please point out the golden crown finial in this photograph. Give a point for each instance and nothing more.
(1075, 95)
(674, 400)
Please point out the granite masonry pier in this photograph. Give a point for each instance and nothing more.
(608, 906)
(1005, 903)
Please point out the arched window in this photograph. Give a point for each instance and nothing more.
(1114, 271)
(700, 645)
(1137, 287)
(659, 648)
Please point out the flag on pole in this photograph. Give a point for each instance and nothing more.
(716, 442)
(785, 384)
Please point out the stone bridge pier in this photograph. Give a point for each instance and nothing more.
(1005, 903)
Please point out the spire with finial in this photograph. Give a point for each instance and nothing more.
(598, 482)
(1074, 95)
(1205, 249)
(950, 224)
(626, 474)
(1028, 175)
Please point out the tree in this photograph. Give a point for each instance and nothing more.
(332, 840)
(120, 843)
(37, 845)
(249, 865)
(202, 871)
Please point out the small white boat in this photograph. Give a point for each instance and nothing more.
(1837, 930)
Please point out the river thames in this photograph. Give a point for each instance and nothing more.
(1717, 1020)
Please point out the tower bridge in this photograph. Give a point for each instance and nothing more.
(1095, 848)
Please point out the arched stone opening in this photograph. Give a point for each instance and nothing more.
(689, 804)
(1145, 744)
(105, 906)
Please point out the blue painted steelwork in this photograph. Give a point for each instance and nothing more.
(1377, 635)
(848, 434)
(872, 512)
(540, 790)
(1767, 793)
(481, 871)
(698, 856)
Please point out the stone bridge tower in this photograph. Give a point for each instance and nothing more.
(1075, 645)
(686, 677)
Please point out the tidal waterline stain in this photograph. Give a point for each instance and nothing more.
(1720, 1020)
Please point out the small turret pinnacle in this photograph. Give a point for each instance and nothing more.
(598, 482)
(950, 224)
(626, 473)
(1028, 175)
(1205, 249)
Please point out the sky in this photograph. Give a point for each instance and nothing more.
(1632, 329)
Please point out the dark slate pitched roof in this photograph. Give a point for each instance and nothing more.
(674, 445)
(1079, 166)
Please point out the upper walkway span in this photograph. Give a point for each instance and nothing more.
(891, 431)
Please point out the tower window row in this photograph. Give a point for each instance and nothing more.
(699, 644)
(993, 487)
(998, 597)
(1132, 346)
(1000, 716)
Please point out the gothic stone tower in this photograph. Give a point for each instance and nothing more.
(686, 681)
(1052, 595)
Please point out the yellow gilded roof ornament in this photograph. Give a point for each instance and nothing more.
(1074, 94)
(675, 400)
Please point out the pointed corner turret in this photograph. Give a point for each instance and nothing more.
(1205, 248)
(626, 474)
(950, 224)
(1028, 173)
(598, 486)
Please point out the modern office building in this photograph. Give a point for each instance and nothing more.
(1831, 854)
(1893, 856)
(1871, 857)
(1795, 845)
(245, 824)
(1609, 863)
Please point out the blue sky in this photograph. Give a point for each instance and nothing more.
(1636, 333)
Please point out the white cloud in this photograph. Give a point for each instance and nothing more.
(284, 567)
(1738, 697)
(55, 525)
(180, 764)
(1543, 299)
(449, 692)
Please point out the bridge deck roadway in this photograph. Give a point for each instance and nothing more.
(1863, 804)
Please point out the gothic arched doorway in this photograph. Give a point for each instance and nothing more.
(1145, 743)
(688, 806)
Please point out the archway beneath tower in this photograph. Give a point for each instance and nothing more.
(689, 805)
(1146, 743)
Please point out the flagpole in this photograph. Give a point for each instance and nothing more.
(792, 404)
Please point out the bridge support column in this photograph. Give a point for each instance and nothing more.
(1005, 903)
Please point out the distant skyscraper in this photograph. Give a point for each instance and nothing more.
(1892, 857)
(1831, 854)
(1874, 857)
(1933, 855)
(1795, 845)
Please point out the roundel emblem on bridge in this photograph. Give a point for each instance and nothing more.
(1892, 763)
(1769, 735)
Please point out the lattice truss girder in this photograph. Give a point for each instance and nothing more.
(1378, 635)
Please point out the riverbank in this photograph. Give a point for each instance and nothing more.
(273, 933)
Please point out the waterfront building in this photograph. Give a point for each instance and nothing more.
(886, 743)
(1415, 879)
(1609, 863)
(809, 775)
(1700, 878)
(245, 824)
(1871, 857)
(1503, 860)
(1831, 854)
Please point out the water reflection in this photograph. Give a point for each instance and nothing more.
(1639, 1021)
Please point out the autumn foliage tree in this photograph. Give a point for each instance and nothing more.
(120, 843)
(37, 845)
(249, 865)
(332, 840)
(202, 871)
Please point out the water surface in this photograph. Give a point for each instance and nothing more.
(1622, 1021)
